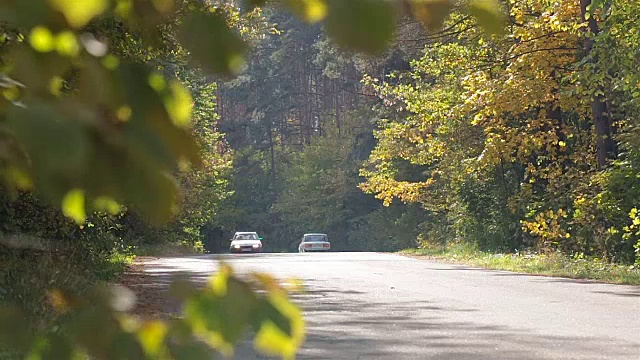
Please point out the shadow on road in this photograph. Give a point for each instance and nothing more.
(341, 326)
(351, 324)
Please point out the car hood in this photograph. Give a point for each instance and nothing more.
(246, 242)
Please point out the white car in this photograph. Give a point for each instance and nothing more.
(243, 242)
(314, 242)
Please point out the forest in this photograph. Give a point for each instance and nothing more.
(506, 125)
(526, 140)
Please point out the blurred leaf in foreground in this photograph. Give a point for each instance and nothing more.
(431, 13)
(213, 318)
(361, 25)
(489, 15)
(212, 44)
(309, 10)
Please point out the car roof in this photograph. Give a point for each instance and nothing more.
(245, 232)
(314, 234)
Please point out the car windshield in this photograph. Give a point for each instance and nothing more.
(315, 238)
(246, 237)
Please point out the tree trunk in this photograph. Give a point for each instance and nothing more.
(273, 155)
(605, 146)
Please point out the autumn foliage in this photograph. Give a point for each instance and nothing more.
(525, 140)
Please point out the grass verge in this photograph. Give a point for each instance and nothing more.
(576, 267)
(113, 266)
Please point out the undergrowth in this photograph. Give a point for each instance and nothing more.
(577, 266)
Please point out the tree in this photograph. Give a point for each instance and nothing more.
(509, 136)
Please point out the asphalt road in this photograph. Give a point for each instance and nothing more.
(383, 306)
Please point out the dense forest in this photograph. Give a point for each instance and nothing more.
(299, 123)
(386, 127)
(514, 142)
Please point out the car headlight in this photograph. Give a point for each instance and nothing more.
(236, 246)
(256, 245)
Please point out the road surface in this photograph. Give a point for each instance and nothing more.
(383, 306)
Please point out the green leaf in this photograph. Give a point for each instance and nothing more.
(57, 146)
(124, 345)
(361, 25)
(211, 44)
(59, 347)
(191, 351)
(488, 14)
(221, 314)
(79, 13)
(73, 205)
(151, 129)
(164, 6)
(19, 178)
(280, 327)
(14, 332)
(25, 13)
(310, 11)
(151, 191)
(35, 70)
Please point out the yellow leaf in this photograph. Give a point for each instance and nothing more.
(67, 44)
(124, 113)
(271, 340)
(311, 11)
(73, 205)
(294, 285)
(41, 39)
(179, 104)
(157, 82)
(269, 282)
(79, 12)
(151, 336)
(107, 204)
(55, 85)
(218, 283)
(11, 93)
(216, 341)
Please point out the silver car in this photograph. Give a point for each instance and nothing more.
(314, 242)
(246, 242)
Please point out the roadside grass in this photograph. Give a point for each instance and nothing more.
(114, 266)
(27, 276)
(554, 264)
